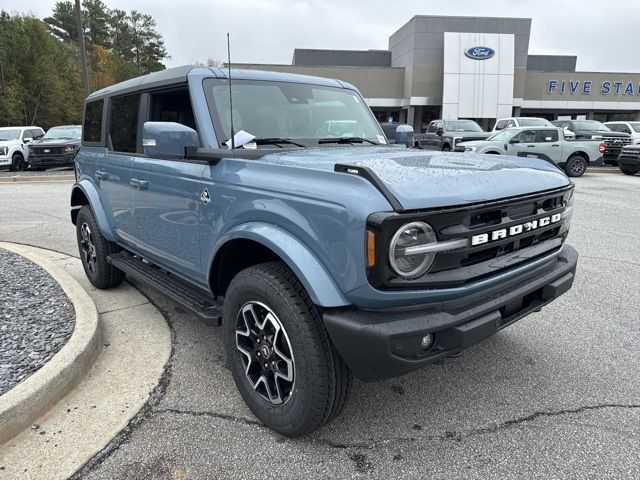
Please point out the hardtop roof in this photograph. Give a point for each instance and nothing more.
(178, 75)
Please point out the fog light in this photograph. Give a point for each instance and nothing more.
(427, 341)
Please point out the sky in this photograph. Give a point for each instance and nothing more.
(603, 34)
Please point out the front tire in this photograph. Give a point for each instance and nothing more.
(446, 147)
(629, 171)
(279, 353)
(576, 166)
(17, 163)
(94, 251)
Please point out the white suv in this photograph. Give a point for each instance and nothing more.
(632, 128)
(511, 122)
(14, 146)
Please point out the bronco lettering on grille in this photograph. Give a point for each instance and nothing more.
(514, 230)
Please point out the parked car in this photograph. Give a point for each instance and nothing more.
(445, 134)
(632, 128)
(58, 147)
(548, 143)
(629, 160)
(14, 150)
(515, 122)
(322, 254)
(594, 130)
(512, 122)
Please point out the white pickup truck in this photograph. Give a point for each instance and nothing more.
(548, 143)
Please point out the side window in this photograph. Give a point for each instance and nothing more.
(92, 125)
(546, 136)
(501, 125)
(527, 136)
(431, 128)
(123, 123)
(25, 134)
(511, 123)
(173, 106)
(439, 125)
(38, 133)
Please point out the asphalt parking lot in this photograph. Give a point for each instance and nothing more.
(555, 396)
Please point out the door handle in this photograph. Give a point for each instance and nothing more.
(555, 145)
(139, 184)
(531, 146)
(102, 175)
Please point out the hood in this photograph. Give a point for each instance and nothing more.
(56, 142)
(422, 179)
(471, 135)
(4, 143)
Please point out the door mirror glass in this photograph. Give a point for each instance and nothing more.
(439, 131)
(404, 134)
(168, 139)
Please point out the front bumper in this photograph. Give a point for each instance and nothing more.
(630, 161)
(55, 160)
(384, 344)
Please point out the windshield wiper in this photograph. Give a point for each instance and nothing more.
(276, 141)
(347, 140)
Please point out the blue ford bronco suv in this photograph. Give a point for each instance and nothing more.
(322, 251)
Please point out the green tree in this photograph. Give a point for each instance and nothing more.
(62, 22)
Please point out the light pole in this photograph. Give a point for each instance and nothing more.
(83, 53)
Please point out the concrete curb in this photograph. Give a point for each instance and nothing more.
(38, 178)
(603, 170)
(29, 400)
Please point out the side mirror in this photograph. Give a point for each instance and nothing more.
(404, 134)
(167, 139)
(27, 140)
(514, 140)
(439, 131)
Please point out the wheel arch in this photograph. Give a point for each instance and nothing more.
(257, 242)
(579, 153)
(84, 193)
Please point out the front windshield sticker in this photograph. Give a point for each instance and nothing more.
(241, 138)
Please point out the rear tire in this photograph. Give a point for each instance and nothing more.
(629, 171)
(446, 148)
(576, 166)
(94, 250)
(305, 383)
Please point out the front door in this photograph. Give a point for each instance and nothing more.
(522, 144)
(165, 203)
(167, 194)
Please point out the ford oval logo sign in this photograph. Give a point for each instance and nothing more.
(480, 53)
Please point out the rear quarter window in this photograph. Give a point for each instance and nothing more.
(92, 125)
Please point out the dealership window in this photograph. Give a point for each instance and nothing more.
(123, 127)
(92, 125)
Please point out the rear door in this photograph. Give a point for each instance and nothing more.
(548, 145)
(166, 194)
(114, 174)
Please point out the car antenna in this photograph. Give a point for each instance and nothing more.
(233, 141)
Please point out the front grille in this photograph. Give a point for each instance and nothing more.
(47, 150)
(616, 141)
(630, 152)
(472, 263)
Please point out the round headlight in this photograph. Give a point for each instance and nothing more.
(407, 260)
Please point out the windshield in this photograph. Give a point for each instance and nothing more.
(9, 135)
(306, 113)
(635, 126)
(461, 126)
(534, 122)
(591, 125)
(503, 135)
(64, 133)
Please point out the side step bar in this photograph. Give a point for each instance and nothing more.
(203, 305)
